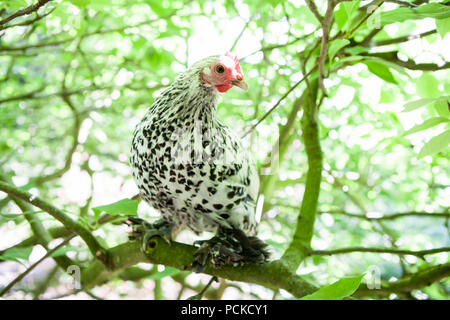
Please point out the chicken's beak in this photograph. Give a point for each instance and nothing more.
(240, 83)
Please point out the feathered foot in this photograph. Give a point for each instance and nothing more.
(144, 230)
(229, 247)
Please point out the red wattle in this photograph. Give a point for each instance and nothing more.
(223, 87)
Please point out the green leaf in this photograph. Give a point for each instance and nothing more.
(386, 96)
(16, 5)
(443, 26)
(14, 254)
(435, 145)
(351, 7)
(344, 14)
(429, 123)
(10, 215)
(64, 250)
(124, 206)
(442, 107)
(335, 46)
(413, 105)
(167, 272)
(434, 10)
(156, 7)
(16, 215)
(380, 70)
(337, 290)
(274, 3)
(340, 16)
(356, 50)
(431, 10)
(427, 86)
(388, 64)
(80, 3)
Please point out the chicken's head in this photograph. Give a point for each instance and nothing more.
(224, 73)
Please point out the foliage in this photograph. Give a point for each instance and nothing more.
(76, 77)
(336, 291)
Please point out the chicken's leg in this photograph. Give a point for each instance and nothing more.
(144, 230)
(229, 247)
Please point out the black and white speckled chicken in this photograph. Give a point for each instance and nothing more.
(195, 171)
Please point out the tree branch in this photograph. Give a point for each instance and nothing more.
(409, 64)
(35, 94)
(300, 246)
(46, 43)
(366, 16)
(278, 102)
(400, 39)
(56, 232)
(418, 280)
(23, 274)
(28, 22)
(97, 250)
(25, 11)
(326, 24)
(42, 236)
(68, 159)
(419, 253)
(272, 275)
(392, 216)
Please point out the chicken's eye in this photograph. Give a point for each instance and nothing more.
(220, 68)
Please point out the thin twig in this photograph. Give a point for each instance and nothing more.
(68, 159)
(201, 293)
(94, 246)
(392, 216)
(401, 39)
(419, 253)
(240, 35)
(25, 11)
(366, 16)
(28, 22)
(326, 24)
(23, 274)
(278, 102)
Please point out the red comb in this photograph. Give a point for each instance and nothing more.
(232, 56)
(236, 61)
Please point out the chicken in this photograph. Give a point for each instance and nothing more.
(194, 170)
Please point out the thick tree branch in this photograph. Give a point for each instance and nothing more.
(272, 275)
(299, 248)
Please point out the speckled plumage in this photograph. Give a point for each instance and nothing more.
(188, 165)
